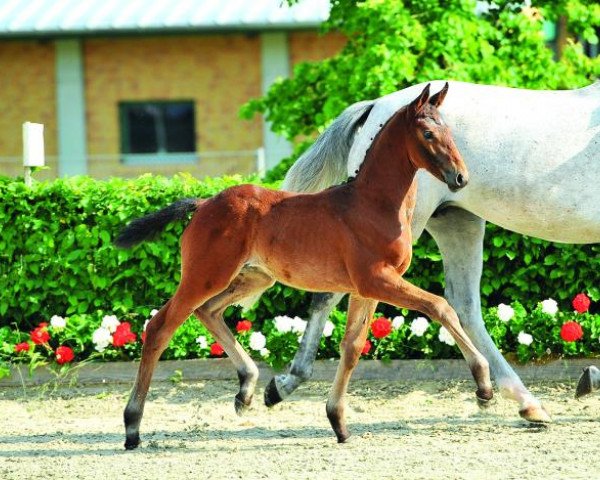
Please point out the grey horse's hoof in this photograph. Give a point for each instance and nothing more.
(133, 443)
(272, 396)
(588, 382)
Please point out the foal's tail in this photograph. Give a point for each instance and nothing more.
(324, 163)
(147, 227)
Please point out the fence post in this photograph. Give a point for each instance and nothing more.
(33, 148)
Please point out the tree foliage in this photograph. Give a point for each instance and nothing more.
(392, 44)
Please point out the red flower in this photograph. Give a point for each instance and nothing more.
(571, 331)
(243, 326)
(216, 350)
(40, 334)
(581, 303)
(123, 335)
(381, 327)
(64, 355)
(22, 347)
(367, 348)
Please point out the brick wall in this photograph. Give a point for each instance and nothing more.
(218, 72)
(27, 93)
(312, 46)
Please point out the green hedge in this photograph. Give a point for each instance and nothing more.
(57, 257)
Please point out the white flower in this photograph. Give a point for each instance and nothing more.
(58, 322)
(264, 352)
(283, 323)
(257, 341)
(202, 342)
(329, 328)
(298, 325)
(110, 322)
(146, 324)
(153, 312)
(397, 322)
(505, 312)
(101, 338)
(418, 326)
(549, 306)
(524, 338)
(445, 336)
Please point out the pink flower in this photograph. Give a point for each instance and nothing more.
(243, 326)
(367, 348)
(64, 355)
(216, 350)
(123, 334)
(40, 335)
(381, 327)
(22, 347)
(571, 331)
(581, 303)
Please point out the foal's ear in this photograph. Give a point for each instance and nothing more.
(417, 104)
(437, 99)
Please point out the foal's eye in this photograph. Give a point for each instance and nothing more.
(428, 134)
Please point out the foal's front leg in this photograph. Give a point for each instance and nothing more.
(387, 286)
(360, 313)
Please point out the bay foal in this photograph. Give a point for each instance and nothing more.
(352, 238)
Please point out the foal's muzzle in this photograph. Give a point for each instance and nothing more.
(456, 180)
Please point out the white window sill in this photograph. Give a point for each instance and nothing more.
(158, 158)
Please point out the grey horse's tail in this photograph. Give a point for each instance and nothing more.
(324, 163)
(149, 226)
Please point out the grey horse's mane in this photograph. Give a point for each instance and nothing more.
(324, 163)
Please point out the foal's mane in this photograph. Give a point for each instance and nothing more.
(373, 140)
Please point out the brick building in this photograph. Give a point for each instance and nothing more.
(125, 87)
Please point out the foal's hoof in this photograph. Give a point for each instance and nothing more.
(588, 382)
(484, 403)
(535, 414)
(241, 406)
(485, 398)
(272, 396)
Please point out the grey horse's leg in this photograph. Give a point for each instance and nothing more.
(282, 386)
(459, 235)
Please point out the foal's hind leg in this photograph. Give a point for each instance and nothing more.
(205, 273)
(158, 333)
(250, 282)
(360, 313)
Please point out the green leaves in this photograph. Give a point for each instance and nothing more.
(392, 44)
(58, 257)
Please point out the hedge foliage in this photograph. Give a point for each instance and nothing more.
(57, 257)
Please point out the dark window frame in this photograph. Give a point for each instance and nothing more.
(161, 155)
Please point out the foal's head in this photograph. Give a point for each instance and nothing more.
(430, 144)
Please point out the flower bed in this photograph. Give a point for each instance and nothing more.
(543, 332)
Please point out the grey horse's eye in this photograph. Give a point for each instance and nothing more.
(428, 134)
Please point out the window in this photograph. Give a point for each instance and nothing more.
(158, 132)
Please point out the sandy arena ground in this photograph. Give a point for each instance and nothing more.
(421, 430)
